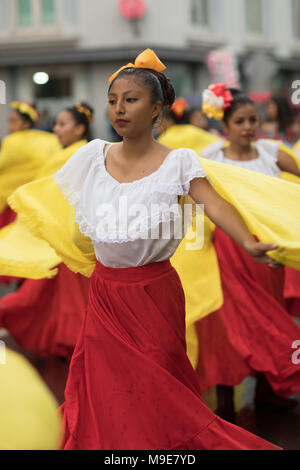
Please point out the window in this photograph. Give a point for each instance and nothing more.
(254, 16)
(48, 14)
(36, 16)
(296, 18)
(24, 13)
(59, 87)
(200, 12)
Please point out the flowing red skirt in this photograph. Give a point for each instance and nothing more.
(292, 291)
(130, 384)
(44, 316)
(252, 331)
(7, 217)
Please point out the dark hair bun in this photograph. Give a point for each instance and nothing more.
(167, 89)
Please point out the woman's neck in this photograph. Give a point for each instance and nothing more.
(135, 148)
(239, 152)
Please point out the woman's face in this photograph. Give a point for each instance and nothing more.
(67, 130)
(242, 125)
(17, 123)
(130, 110)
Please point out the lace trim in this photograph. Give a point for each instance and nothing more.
(125, 236)
(149, 223)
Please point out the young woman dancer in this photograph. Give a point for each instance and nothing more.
(252, 331)
(22, 154)
(44, 316)
(130, 384)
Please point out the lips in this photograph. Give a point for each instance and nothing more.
(121, 122)
(248, 136)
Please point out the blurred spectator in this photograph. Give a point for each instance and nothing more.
(197, 118)
(46, 121)
(279, 121)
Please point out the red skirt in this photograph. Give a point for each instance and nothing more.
(130, 384)
(292, 291)
(7, 217)
(44, 316)
(252, 331)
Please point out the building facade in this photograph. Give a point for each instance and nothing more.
(79, 43)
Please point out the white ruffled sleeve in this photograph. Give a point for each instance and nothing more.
(189, 167)
(269, 146)
(71, 177)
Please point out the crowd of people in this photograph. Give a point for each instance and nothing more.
(146, 324)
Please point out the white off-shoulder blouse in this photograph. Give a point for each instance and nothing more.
(130, 224)
(266, 163)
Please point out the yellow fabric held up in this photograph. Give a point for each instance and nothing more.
(24, 255)
(187, 136)
(289, 176)
(48, 215)
(271, 223)
(21, 253)
(22, 155)
(29, 412)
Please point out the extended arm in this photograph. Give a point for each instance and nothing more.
(226, 217)
(287, 163)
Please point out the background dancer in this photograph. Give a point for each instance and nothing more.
(252, 331)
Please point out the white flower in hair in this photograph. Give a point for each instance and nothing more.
(215, 99)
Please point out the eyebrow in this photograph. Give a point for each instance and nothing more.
(128, 91)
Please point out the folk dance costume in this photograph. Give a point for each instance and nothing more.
(45, 314)
(21, 157)
(131, 385)
(252, 331)
(47, 222)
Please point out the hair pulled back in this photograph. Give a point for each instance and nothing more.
(26, 117)
(239, 99)
(161, 89)
(81, 118)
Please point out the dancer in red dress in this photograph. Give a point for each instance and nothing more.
(252, 333)
(131, 385)
(44, 316)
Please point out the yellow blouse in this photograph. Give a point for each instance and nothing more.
(22, 155)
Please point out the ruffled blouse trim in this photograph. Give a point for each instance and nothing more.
(151, 222)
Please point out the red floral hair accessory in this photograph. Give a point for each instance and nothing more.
(215, 100)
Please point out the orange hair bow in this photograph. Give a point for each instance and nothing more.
(145, 60)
